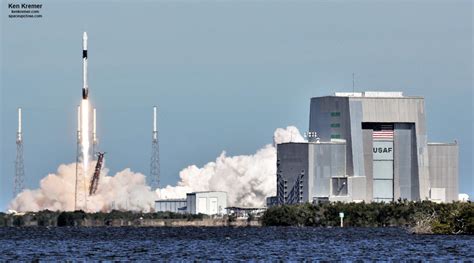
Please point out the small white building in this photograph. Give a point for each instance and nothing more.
(245, 212)
(209, 202)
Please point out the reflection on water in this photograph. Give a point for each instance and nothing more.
(190, 243)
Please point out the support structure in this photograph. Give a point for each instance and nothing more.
(19, 165)
(155, 155)
(95, 178)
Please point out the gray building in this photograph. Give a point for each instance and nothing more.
(171, 205)
(443, 169)
(209, 203)
(371, 146)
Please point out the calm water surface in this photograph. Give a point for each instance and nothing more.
(192, 243)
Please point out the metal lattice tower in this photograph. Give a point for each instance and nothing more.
(19, 165)
(155, 155)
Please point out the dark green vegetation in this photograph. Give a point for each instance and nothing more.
(419, 217)
(80, 218)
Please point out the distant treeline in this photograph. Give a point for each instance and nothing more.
(81, 218)
(419, 217)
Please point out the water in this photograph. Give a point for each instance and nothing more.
(220, 243)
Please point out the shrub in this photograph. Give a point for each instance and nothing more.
(423, 217)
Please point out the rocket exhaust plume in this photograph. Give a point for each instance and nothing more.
(247, 179)
(85, 134)
(94, 127)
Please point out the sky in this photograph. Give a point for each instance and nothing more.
(224, 75)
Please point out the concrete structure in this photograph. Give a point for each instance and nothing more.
(171, 205)
(371, 146)
(209, 203)
(305, 171)
(444, 170)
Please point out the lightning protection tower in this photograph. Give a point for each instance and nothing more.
(19, 165)
(155, 155)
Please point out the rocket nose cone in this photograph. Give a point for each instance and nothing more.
(84, 35)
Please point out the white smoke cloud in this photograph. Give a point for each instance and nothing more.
(290, 134)
(124, 191)
(247, 179)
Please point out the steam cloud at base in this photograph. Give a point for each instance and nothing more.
(247, 179)
(124, 191)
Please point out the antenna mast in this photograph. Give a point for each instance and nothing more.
(155, 155)
(19, 165)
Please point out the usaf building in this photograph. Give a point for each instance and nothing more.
(368, 146)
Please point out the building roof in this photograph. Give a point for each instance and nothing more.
(203, 192)
(443, 143)
(372, 94)
(333, 141)
(171, 200)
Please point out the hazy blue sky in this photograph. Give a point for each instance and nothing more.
(224, 75)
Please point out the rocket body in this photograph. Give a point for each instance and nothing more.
(85, 87)
(85, 113)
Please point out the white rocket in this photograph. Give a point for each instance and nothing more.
(85, 87)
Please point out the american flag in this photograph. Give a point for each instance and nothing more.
(385, 132)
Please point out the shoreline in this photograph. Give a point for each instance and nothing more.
(120, 219)
(423, 217)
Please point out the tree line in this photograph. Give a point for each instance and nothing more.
(418, 217)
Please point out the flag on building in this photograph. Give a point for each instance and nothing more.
(384, 132)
